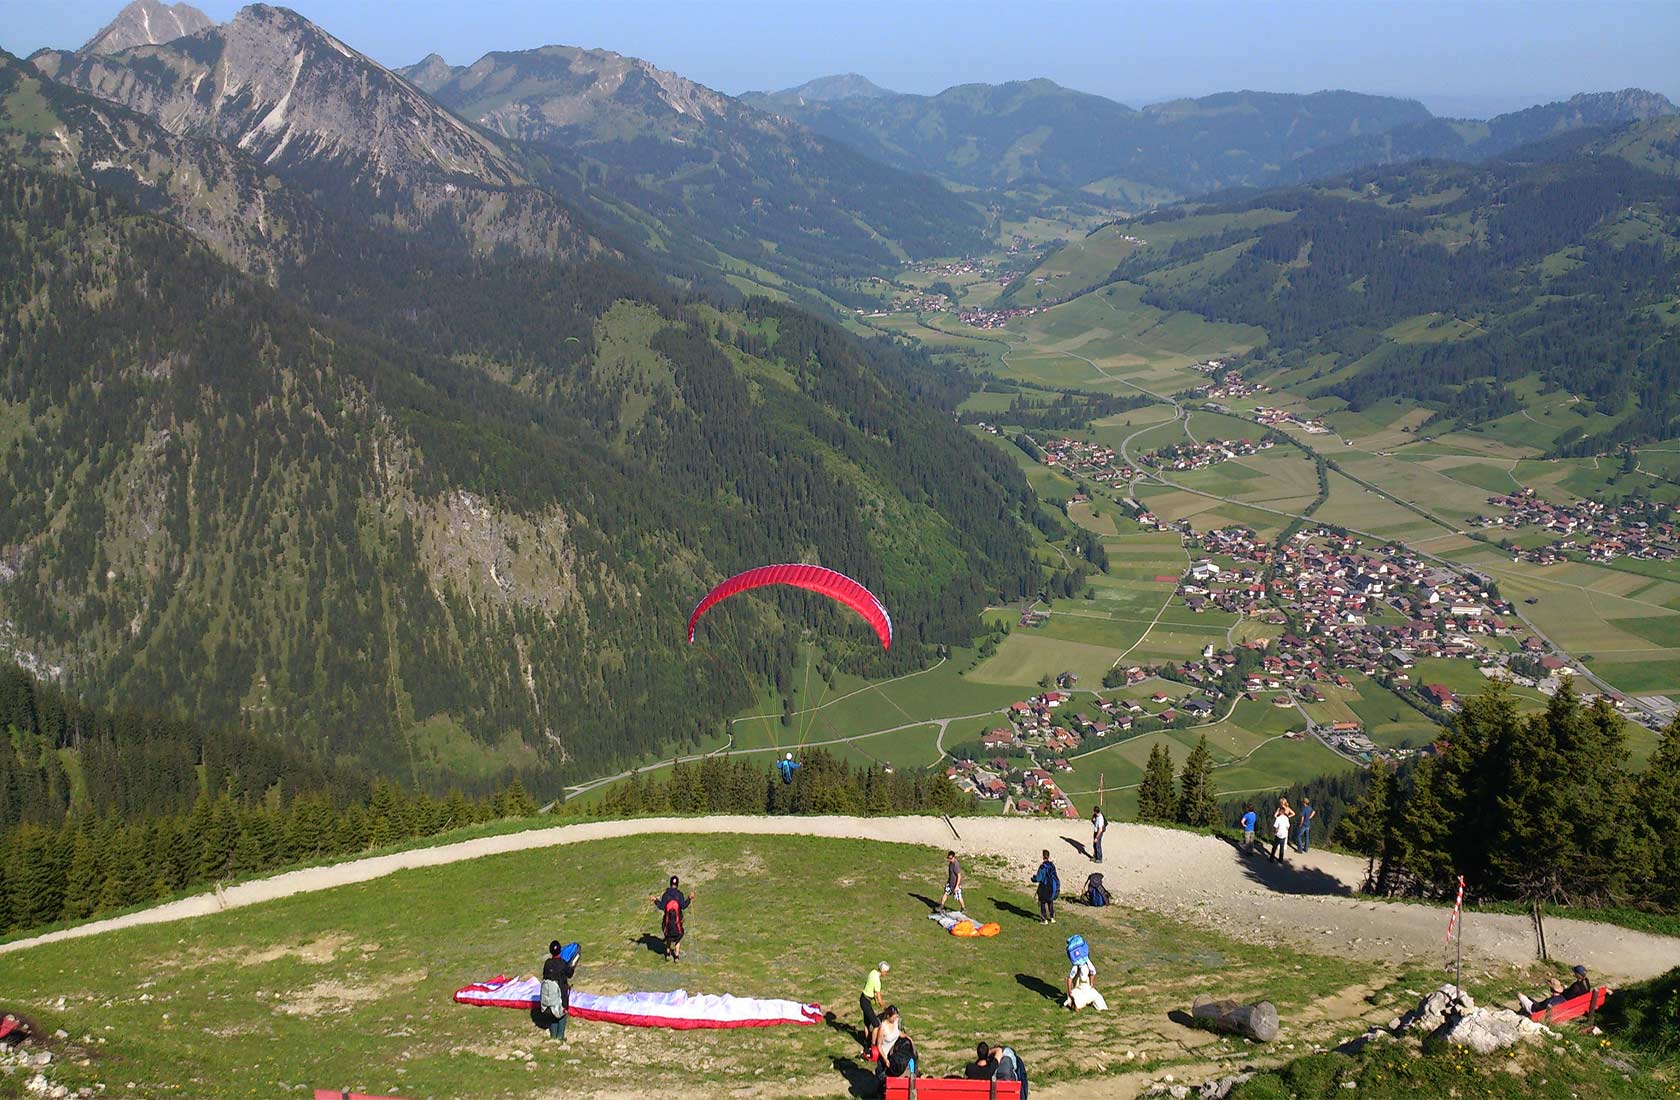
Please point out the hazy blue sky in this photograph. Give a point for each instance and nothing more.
(1458, 57)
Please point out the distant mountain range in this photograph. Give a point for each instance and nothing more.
(984, 135)
(661, 155)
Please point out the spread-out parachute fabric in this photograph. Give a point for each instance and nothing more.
(961, 924)
(812, 578)
(678, 1009)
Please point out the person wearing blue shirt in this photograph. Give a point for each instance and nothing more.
(1303, 831)
(787, 766)
(1249, 818)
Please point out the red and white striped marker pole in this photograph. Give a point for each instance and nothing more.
(1455, 922)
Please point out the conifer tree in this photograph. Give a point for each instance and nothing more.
(1196, 804)
(82, 885)
(1658, 803)
(1157, 799)
(1364, 828)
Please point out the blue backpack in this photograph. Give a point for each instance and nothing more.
(569, 953)
(1078, 951)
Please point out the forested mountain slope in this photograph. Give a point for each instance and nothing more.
(438, 495)
(1471, 140)
(225, 198)
(704, 165)
(990, 135)
(1446, 283)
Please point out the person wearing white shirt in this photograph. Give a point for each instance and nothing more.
(1099, 826)
(1280, 835)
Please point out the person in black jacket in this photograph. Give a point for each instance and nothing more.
(672, 904)
(558, 968)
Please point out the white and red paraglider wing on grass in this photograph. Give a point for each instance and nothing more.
(677, 1009)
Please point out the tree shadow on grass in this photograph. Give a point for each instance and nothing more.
(1035, 984)
(1287, 878)
(860, 1080)
(652, 943)
(1013, 909)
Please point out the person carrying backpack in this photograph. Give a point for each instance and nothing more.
(1049, 889)
(671, 905)
(1081, 979)
(556, 987)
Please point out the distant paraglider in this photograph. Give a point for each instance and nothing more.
(812, 578)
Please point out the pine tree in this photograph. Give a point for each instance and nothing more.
(1196, 804)
(517, 802)
(1364, 828)
(82, 882)
(1156, 798)
(1658, 804)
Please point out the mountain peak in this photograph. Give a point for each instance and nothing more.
(429, 73)
(148, 23)
(826, 89)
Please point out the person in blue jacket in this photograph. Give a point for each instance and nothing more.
(787, 766)
(1049, 887)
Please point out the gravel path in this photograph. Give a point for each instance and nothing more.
(1308, 904)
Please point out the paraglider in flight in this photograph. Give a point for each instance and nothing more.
(787, 767)
(812, 578)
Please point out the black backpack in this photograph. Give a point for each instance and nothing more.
(1095, 892)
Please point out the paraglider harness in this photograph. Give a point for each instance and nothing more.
(1078, 951)
(672, 924)
(1095, 892)
(787, 768)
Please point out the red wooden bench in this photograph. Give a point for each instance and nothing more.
(1573, 1008)
(951, 1088)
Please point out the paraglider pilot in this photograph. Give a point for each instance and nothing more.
(787, 766)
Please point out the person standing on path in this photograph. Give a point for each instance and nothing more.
(671, 905)
(872, 1003)
(1280, 834)
(1049, 888)
(1303, 831)
(1249, 820)
(1099, 826)
(953, 882)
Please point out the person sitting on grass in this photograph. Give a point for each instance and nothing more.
(997, 1064)
(1081, 988)
(895, 1053)
(1580, 987)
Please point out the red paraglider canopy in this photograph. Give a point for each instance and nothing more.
(812, 578)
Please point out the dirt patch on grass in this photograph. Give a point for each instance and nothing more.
(338, 995)
(315, 952)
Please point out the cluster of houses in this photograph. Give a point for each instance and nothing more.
(1604, 531)
(1211, 366)
(1231, 387)
(995, 318)
(1272, 417)
(1195, 456)
(1088, 460)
